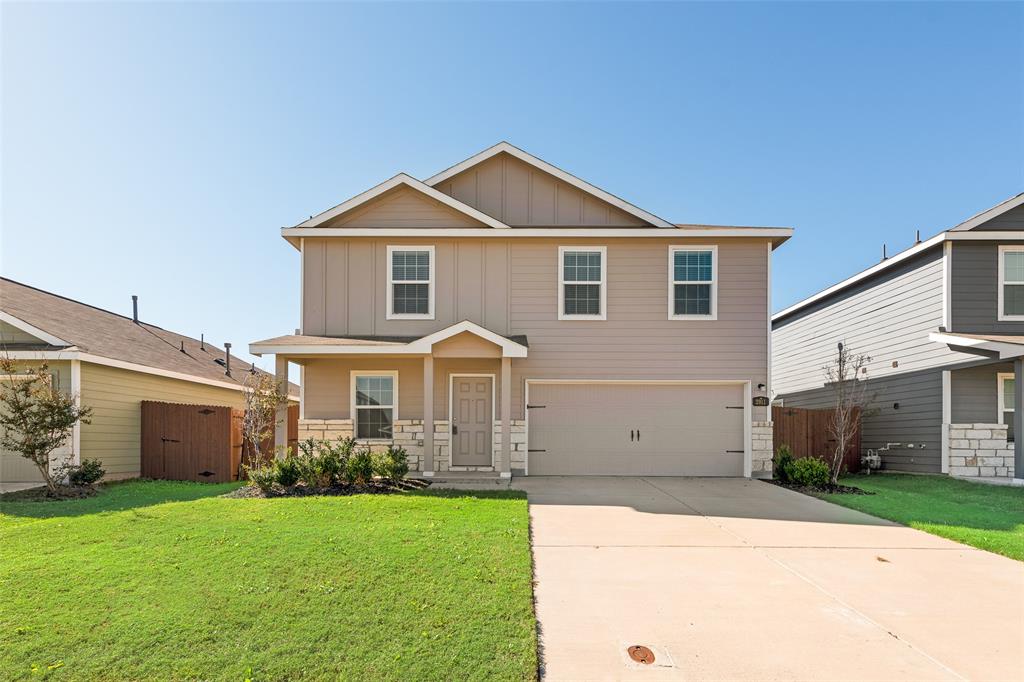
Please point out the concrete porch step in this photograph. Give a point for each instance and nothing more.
(466, 480)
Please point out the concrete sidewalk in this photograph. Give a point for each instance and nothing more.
(733, 579)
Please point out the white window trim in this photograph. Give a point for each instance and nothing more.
(603, 283)
(1001, 378)
(390, 314)
(1001, 283)
(672, 250)
(353, 407)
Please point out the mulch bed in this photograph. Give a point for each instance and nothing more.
(825, 489)
(301, 490)
(41, 494)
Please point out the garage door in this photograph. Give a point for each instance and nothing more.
(636, 429)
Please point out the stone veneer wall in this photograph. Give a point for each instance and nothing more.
(761, 449)
(979, 450)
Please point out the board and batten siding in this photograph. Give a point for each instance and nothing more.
(975, 289)
(903, 409)
(887, 318)
(115, 396)
(510, 286)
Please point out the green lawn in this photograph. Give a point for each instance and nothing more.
(165, 580)
(983, 516)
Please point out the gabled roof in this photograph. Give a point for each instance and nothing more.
(505, 147)
(988, 214)
(74, 330)
(408, 181)
(295, 344)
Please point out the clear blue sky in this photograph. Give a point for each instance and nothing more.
(157, 148)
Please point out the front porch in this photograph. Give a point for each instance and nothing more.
(446, 398)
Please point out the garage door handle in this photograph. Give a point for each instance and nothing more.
(735, 452)
(638, 435)
(631, 435)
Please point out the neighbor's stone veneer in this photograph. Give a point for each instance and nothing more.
(761, 449)
(979, 450)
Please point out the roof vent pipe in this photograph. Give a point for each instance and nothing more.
(917, 238)
(884, 255)
(202, 342)
(227, 359)
(135, 309)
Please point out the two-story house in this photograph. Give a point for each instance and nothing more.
(943, 324)
(506, 316)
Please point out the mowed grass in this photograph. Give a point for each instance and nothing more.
(984, 516)
(165, 580)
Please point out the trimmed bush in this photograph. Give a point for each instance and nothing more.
(391, 465)
(780, 465)
(86, 473)
(809, 472)
(359, 468)
(263, 477)
(287, 471)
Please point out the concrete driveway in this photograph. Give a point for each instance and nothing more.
(735, 579)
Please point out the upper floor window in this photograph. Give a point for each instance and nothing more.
(410, 282)
(693, 282)
(581, 283)
(1011, 282)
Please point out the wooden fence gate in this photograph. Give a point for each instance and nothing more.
(198, 442)
(806, 433)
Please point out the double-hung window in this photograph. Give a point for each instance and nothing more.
(582, 275)
(374, 403)
(1007, 402)
(410, 282)
(1011, 282)
(693, 282)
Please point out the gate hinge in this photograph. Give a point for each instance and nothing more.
(536, 450)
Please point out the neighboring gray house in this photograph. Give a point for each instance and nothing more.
(943, 324)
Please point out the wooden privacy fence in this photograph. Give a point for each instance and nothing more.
(198, 442)
(806, 433)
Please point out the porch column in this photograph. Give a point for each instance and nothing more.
(506, 417)
(281, 418)
(1018, 420)
(427, 463)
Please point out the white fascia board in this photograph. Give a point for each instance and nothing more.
(989, 214)
(413, 183)
(850, 281)
(1006, 351)
(551, 170)
(32, 329)
(988, 236)
(509, 348)
(63, 354)
(259, 350)
(533, 232)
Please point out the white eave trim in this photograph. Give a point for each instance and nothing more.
(411, 182)
(24, 326)
(1005, 351)
(551, 170)
(422, 346)
(560, 232)
(989, 214)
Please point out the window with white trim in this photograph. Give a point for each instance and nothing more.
(693, 282)
(374, 402)
(410, 282)
(1011, 282)
(1007, 402)
(582, 293)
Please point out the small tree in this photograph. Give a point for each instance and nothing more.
(37, 419)
(263, 396)
(850, 399)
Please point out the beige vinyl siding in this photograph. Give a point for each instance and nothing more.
(403, 207)
(520, 195)
(511, 287)
(11, 334)
(115, 396)
(888, 318)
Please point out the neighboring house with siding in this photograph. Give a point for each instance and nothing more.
(112, 363)
(506, 316)
(943, 324)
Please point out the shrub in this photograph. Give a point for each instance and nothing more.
(359, 468)
(392, 464)
(810, 472)
(323, 462)
(86, 473)
(287, 471)
(263, 476)
(783, 458)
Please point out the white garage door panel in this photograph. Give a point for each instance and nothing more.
(636, 429)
